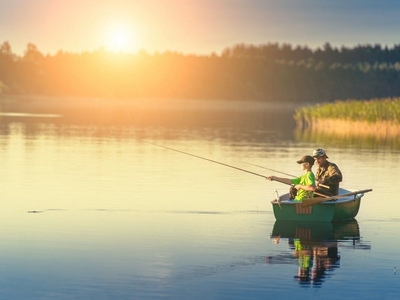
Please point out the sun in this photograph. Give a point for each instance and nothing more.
(121, 39)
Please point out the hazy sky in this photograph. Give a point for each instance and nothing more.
(195, 26)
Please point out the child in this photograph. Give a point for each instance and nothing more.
(303, 187)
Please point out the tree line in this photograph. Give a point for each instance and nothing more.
(270, 72)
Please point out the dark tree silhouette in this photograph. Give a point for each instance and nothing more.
(269, 72)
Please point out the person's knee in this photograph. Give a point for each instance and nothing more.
(292, 192)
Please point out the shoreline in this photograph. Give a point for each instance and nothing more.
(71, 102)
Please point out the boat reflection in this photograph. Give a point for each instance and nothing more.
(315, 247)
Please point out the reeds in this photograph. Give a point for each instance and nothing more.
(377, 119)
(385, 110)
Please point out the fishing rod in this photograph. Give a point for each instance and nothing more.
(320, 184)
(217, 162)
(271, 170)
(214, 161)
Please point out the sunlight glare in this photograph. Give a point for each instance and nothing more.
(121, 39)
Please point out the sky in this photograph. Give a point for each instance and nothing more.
(194, 26)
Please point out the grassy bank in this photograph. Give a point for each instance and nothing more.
(378, 117)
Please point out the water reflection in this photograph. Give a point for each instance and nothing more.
(172, 120)
(154, 112)
(89, 210)
(350, 139)
(314, 246)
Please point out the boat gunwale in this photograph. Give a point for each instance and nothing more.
(328, 202)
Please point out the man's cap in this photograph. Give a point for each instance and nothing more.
(308, 159)
(319, 153)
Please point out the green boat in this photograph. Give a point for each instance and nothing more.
(344, 206)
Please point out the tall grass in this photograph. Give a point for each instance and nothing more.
(371, 111)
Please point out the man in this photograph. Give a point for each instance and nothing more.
(327, 174)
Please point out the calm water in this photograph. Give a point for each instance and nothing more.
(90, 210)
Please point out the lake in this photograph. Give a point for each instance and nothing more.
(96, 207)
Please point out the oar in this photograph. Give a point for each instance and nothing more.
(317, 200)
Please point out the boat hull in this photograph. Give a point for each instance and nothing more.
(329, 211)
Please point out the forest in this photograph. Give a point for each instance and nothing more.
(271, 72)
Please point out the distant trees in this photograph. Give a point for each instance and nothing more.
(328, 54)
(269, 72)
